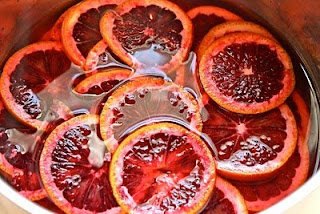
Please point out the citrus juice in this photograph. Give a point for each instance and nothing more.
(141, 106)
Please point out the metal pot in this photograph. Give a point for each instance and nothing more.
(297, 21)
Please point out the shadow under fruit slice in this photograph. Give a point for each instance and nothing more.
(251, 147)
(80, 28)
(260, 196)
(146, 33)
(162, 168)
(247, 73)
(74, 167)
(230, 27)
(146, 100)
(27, 73)
(102, 83)
(225, 199)
(20, 149)
(206, 17)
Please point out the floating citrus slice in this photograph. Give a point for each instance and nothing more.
(19, 155)
(206, 17)
(225, 199)
(97, 56)
(162, 168)
(146, 100)
(251, 147)
(260, 196)
(230, 27)
(247, 73)
(80, 28)
(102, 83)
(146, 33)
(25, 75)
(74, 168)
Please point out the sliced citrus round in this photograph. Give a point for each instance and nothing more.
(102, 83)
(54, 34)
(25, 75)
(74, 168)
(19, 156)
(80, 28)
(225, 199)
(146, 100)
(206, 17)
(247, 73)
(251, 147)
(230, 27)
(260, 196)
(162, 168)
(147, 33)
(96, 56)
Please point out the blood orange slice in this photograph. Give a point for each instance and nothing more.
(206, 17)
(146, 100)
(251, 147)
(147, 33)
(162, 168)
(230, 27)
(19, 156)
(225, 199)
(102, 83)
(80, 28)
(74, 168)
(247, 73)
(260, 196)
(97, 56)
(28, 72)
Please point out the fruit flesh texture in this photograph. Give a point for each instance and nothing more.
(255, 77)
(87, 31)
(83, 185)
(33, 73)
(159, 32)
(165, 170)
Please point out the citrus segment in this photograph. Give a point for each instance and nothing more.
(146, 100)
(162, 168)
(80, 28)
(230, 27)
(74, 168)
(251, 147)
(27, 73)
(19, 155)
(247, 73)
(102, 83)
(225, 199)
(260, 196)
(206, 17)
(146, 33)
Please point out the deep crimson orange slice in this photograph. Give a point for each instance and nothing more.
(146, 33)
(230, 27)
(247, 73)
(206, 17)
(260, 196)
(25, 75)
(74, 168)
(251, 147)
(102, 83)
(162, 168)
(19, 156)
(146, 100)
(97, 56)
(225, 199)
(80, 28)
